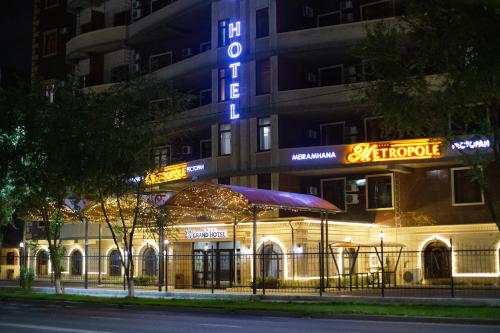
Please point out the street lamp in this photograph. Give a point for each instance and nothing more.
(21, 259)
(166, 242)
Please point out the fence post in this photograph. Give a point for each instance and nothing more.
(382, 262)
(320, 261)
(322, 253)
(254, 251)
(263, 268)
(99, 258)
(212, 268)
(166, 267)
(86, 249)
(452, 282)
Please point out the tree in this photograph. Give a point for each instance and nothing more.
(45, 160)
(436, 73)
(118, 144)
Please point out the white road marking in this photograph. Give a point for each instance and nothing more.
(106, 318)
(221, 325)
(49, 328)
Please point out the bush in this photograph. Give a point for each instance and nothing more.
(270, 283)
(145, 280)
(26, 278)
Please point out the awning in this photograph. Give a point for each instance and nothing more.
(237, 201)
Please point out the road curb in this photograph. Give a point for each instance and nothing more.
(263, 313)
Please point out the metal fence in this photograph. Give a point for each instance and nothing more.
(342, 271)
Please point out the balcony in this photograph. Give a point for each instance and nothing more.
(332, 36)
(189, 65)
(164, 20)
(99, 41)
(74, 6)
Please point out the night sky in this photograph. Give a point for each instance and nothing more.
(15, 37)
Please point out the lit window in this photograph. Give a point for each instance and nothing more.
(264, 128)
(224, 139)
(379, 192)
(50, 43)
(223, 84)
(465, 189)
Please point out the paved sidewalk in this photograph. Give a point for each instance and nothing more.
(190, 294)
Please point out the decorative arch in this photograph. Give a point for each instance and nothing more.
(149, 262)
(437, 261)
(272, 262)
(42, 262)
(76, 262)
(114, 262)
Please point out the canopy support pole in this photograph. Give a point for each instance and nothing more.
(254, 250)
(160, 255)
(326, 252)
(321, 254)
(235, 273)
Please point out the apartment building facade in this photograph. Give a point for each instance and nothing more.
(274, 83)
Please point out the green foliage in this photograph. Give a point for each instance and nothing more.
(145, 280)
(26, 278)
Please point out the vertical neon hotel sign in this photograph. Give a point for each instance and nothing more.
(234, 51)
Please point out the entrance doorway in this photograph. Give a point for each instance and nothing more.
(437, 261)
(220, 262)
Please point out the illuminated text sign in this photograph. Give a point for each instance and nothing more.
(206, 233)
(313, 156)
(470, 144)
(172, 172)
(395, 150)
(234, 51)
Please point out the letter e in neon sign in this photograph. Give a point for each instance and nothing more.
(234, 90)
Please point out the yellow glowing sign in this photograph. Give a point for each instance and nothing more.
(167, 174)
(394, 150)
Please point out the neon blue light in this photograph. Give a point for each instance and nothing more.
(234, 51)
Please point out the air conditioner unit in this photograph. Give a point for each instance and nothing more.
(136, 14)
(313, 190)
(412, 276)
(138, 57)
(312, 134)
(308, 11)
(312, 77)
(350, 130)
(351, 187)
(63, 31)
(186, 150)
(186, 52)
(352, 199)
(136, 4)
(345, 5)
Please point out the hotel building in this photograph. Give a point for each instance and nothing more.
(275, 83)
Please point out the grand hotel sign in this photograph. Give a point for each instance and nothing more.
(394, 151)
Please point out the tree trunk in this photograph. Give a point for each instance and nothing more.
(58, 285)
(131, 286)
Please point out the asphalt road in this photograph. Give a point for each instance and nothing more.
(22, 317)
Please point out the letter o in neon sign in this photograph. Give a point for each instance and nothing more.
(234, 50)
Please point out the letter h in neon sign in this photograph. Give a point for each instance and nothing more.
(234, 51)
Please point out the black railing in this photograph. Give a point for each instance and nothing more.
(467, 272)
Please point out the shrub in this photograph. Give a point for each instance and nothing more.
(145, 280)
(26, 278)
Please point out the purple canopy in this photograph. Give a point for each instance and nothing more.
(305, 202)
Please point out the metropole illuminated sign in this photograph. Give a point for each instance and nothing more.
(394, 151)
(174, 172)
(234, 51)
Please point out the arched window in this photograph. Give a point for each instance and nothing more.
(76, 263)
(149, 262)
(42, 263)
(437, 261)
(115, 264)
(271, 263)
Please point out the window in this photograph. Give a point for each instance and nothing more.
(160, 60)
(264, 181)
(42, 263)
(379, 192)
(262, 77)
(332, 134)
(76, 263)
(205, 97)
(51, 3)
(149, 262)
(465, 190)
(10, 258)
(205, 148)
(50, 43)
(224, 180)
(264, 133)
(376, 9)
(373, 129)
(262, 23)
(115, 263)
(223, 84)
(162, 156)
(224, 139)
(331, 75)
(223, 32)
(333, 190)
